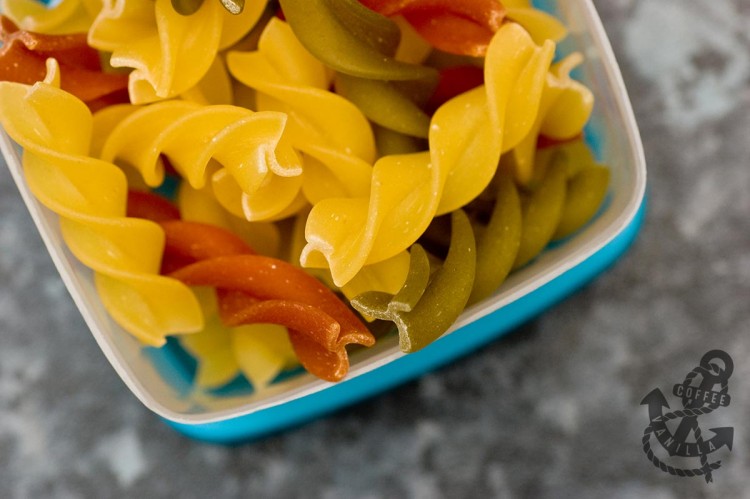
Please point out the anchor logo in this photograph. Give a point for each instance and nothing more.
(714, 370)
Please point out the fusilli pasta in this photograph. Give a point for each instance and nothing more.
(54, 128)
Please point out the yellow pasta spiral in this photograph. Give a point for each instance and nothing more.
(540, 25)
(255, 173)
(258, 351)
(169, 52)
(467, 136)
(332, 133)
(66, 16)
(54, 129)
(564, 110)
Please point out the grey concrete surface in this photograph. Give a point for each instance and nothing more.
(551, 411)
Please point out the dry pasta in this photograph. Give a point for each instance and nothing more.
(407, 191)
(540, 25)
(274, 159)
(66, 16)
(258, 176)
(54, 129)
(169, 53)
(565, 109)
(334, 136)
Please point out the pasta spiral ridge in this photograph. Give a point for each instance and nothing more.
(564, 110)
(334, 137)
(253, 171)
(332, 133)
(54, 128)
(467, 136)
(170, 53)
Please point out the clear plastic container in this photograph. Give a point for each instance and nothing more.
(160, 378)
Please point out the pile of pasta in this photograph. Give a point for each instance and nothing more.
(334, 164)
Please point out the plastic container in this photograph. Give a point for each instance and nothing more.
(160, 378)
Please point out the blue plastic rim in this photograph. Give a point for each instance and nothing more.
(441, 352)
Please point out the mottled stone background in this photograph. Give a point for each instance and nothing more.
(551, 411)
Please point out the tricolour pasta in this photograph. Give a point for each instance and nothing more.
(467, 136)
(54, 128)
(258, 351)
(308, 152)
(255, 289)
(427, 305)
